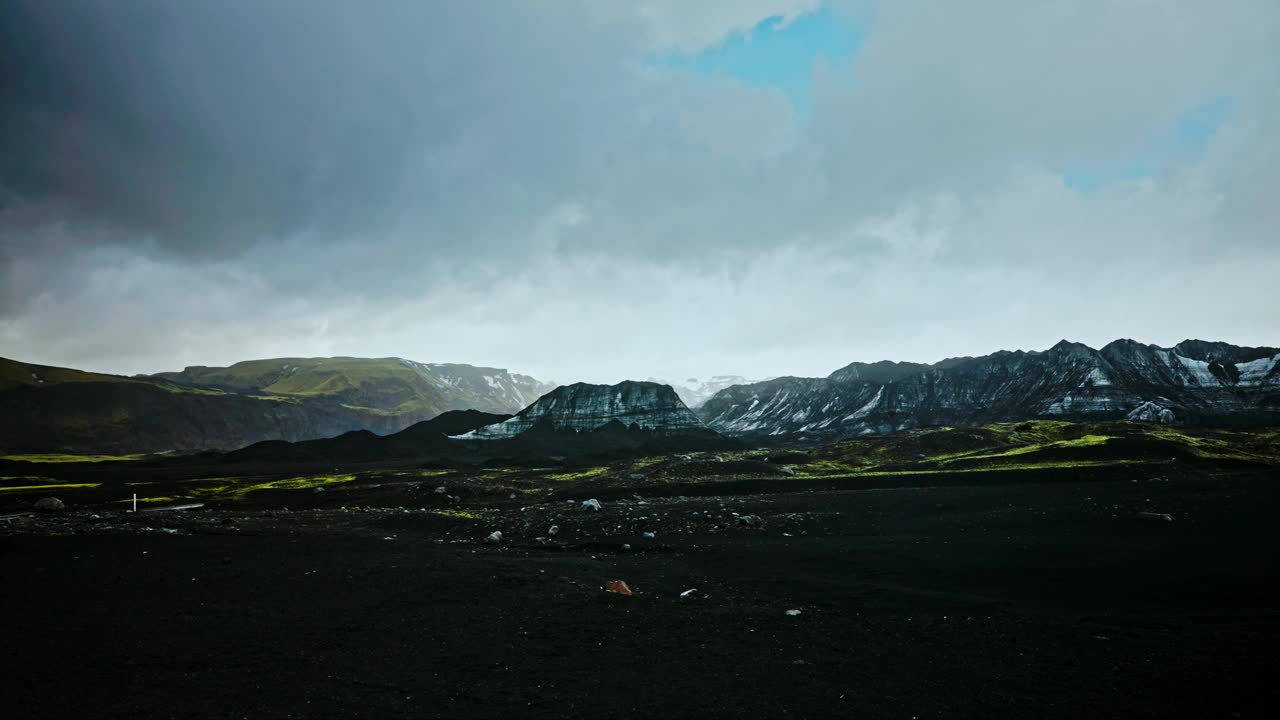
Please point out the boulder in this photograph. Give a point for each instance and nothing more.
(49, 504)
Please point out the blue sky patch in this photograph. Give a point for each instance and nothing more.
(777, 55)
(1182, 139)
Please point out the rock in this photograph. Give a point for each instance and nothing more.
(553, 530)
(650, 535)
(619, 587)
(788, 470)
(793, 612)
(688, 592)
(592, 504)
(49, 504)
(317, 490)
(750, 520)
(494, 537)
(1156, 516)
(442, 490)
(1151, 412)
(626, 546)
(636, 476)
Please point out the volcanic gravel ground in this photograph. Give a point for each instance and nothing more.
(997, 598)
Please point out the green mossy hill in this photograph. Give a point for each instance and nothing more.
(387, 386)
(58, 410)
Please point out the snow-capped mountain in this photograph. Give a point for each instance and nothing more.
(585, 407)
(1194, 381)
(487, 389)
(694, 392)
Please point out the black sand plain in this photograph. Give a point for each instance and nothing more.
(1141, 589)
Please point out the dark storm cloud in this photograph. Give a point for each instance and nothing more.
(495, 182)
(203, 128)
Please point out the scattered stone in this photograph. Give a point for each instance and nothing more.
(750, 520)
(592, 504)
(650, 535)
(626, 546)
(494, 537)
(1156, 516)
(619, 587)
(442, 490)
(788, 470)
(688, 592)
(512, 496)
(793, 612)
(49, 504)
(553, 530)
(636, 476)
(318, 490)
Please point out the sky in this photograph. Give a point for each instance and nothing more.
(587, 190)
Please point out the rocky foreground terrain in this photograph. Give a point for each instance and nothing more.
(1036, 569)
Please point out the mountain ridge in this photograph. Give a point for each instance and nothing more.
(585, 407)
(1212, 382)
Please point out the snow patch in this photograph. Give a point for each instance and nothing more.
(1255, 372)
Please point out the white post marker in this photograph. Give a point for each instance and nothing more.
(135, 502)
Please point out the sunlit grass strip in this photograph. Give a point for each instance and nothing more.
(579, 475)
(459, 514)
(1063, 465)
(66, 458)
(1085, 441)
(56, 486)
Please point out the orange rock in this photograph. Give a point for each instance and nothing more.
(618, 586)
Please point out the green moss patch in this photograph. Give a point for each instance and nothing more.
(236, 489)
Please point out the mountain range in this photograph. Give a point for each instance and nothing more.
(48, 409)
(1194, 382)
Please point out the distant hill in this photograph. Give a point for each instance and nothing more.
(50, 409)
(423, 439)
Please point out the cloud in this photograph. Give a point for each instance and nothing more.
(519, 185)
